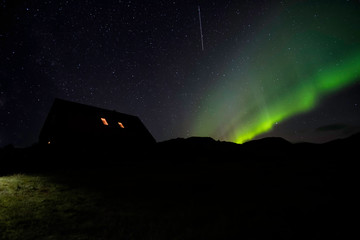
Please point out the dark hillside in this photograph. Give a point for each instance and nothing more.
(195, 188)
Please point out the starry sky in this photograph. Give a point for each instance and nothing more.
(288, 69)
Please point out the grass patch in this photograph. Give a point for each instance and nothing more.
(102, 207)
(32, 207)
(189, 202)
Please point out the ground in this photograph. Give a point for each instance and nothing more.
(184, 201)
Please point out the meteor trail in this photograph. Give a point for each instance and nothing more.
(201, 35)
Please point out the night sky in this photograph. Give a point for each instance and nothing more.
(288, 69)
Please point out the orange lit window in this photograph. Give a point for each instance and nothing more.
(121, 125)
(104, 121)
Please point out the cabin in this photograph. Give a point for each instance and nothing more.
(74, 124)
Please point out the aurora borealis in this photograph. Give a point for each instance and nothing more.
(299, 58)
(250, 69)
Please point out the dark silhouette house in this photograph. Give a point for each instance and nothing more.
(75, 124)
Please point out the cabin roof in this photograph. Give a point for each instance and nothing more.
(64, 106)
(69, 119)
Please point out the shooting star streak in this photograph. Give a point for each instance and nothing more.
(201, 34)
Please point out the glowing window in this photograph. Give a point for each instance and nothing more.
(121, 125)
(104, 121)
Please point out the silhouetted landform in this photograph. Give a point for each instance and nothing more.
(264, 149)
(75, 124)
(193, 149)
(198, 188)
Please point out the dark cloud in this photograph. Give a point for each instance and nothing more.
(341, 130)
(332, 127)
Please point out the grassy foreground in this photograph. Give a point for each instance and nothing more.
(187, 201)
(103, 205)
(35, 207)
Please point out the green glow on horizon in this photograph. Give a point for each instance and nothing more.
(288, 75)
(306, 98)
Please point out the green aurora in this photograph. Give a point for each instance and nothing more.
(299, 54)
